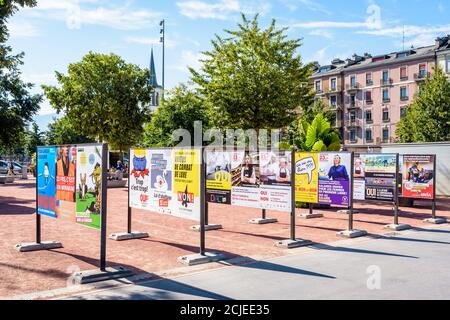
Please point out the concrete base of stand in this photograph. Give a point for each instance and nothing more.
(33, 246)
(97, 275)
(290, 244)
(310, 215)
(352, 233)
(397, 227)
(128, 236)
(435, 220)
(208, 227)
(346, 211)
(263, 221)
(196, 259)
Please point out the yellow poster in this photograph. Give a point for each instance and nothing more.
(306, 177)
(186, 183)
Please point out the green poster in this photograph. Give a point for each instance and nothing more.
(89, 186)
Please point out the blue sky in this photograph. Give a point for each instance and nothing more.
(59, 32)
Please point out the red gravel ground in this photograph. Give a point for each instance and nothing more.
(170, 237)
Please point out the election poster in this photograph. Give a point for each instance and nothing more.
(89, 182)
(66, 173)
(245, 179)
(46, 181)
(218, 176)
(139, 179)
(334, 178)
(306, 177)
(359, 179)
(418, 176)
(380, 173)
(161, 180)
(275, 180)
(186, 183)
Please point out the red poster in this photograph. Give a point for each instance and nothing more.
(418, 176)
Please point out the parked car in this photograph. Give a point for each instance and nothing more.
(4, 167)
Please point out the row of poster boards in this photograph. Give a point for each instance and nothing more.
(69, 182)
(168, 180)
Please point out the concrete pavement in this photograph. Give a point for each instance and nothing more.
(403, 265)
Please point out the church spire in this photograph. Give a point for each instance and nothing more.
(153, 79)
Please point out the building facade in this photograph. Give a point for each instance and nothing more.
(372, 93)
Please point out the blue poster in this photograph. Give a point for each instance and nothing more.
(46, 181)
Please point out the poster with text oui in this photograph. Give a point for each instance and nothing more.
(139, 179)
(245, 179)
(275, 177)
(89, 186)
(46, 181)
(161, 180)
(418, 176)
(380, 173)
(218, 176)
(335, 178)
(306, 177)
(186, 183)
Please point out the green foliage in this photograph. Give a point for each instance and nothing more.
(104, 99)
(317, 135)
(17, 105)
(309, 112)
(33, 139)
(61, 131)
(428, 118)
(253, 78)
(179, 111)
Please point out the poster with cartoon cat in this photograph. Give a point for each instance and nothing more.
(89, 186)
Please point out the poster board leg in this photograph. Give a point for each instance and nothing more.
(263, 219)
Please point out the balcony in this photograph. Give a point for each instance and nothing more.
(352, 87)
(353, 105)
(404, 78)
(386, 120)
(386, 100)
(335, 90)
(404, 98)
(369, 140)
(336, 106)
(369, 102)
(353, 123)
(369, 121)
(369, 82)
(319, 92)
(421, 76)
(386, 82)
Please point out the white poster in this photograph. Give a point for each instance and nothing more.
(275, 180)
(139, 179)
(245, 179)
(161, 181)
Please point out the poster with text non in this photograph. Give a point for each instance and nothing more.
(306, 177)
(275, 180)
(335, 178)
(139, 179)
(218, 176)
(380, 173)
(66, 173)
(245, 179)
(418, 176)
(89, 182)
(46, 181)
(186, 183)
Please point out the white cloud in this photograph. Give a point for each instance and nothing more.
(150, 41)
(294, 5)
(78, 12)
(372, 21)
(189, 59)
(221, 10)
(40, 78)
(22, 29)
(322, 33)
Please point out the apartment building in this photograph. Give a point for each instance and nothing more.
(376, 91)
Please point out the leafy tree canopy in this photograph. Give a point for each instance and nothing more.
(104, 98)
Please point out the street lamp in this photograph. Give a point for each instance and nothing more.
(162, 40)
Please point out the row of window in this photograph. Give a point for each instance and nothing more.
(368, 96)
(369, 137)
(385, 78)
(369, 119)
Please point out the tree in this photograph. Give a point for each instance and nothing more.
(17, 105)
(104, 99)
(309, 112)
(428, 118)
(254, 79)
(61, 131)
(33, 139)
(179, 111)
(317, 136)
